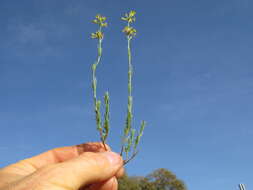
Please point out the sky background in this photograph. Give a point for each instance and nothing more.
(193, 83)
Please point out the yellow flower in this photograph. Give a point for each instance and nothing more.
(104, 24)
(129, 17)
(93, 35)
(95, 21)
(98, 16)
(97, 35)
(100, 20)
(123, 18)
(129, 31)
(132, 13)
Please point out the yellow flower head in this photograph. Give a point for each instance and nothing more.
(129, 31)
(129, 17)
(132, 13)
(100, 20)
(97, 35)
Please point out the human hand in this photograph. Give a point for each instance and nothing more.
(85, 166)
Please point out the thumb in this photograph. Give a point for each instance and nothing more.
(88, 168)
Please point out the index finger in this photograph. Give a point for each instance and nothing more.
(54, 156)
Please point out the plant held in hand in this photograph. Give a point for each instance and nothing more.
(103, 130)
(130, 139)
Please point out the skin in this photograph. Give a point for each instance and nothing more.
(81, 167)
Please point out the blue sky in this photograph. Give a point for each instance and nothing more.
(193, 83)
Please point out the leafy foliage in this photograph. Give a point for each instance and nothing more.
(129, 183)
(160, 179)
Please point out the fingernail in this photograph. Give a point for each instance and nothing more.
(113, 157)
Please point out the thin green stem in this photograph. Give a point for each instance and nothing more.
(129, 159)
(97, 103)
(130, 98)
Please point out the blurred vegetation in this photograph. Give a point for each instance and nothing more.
(160, 179)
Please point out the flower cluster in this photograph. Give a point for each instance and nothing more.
(97, 35)
(129, 31)
(100, 21)
(130, 18)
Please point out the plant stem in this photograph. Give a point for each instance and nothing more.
(122, 149)
(97, 102)
(132, 157)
